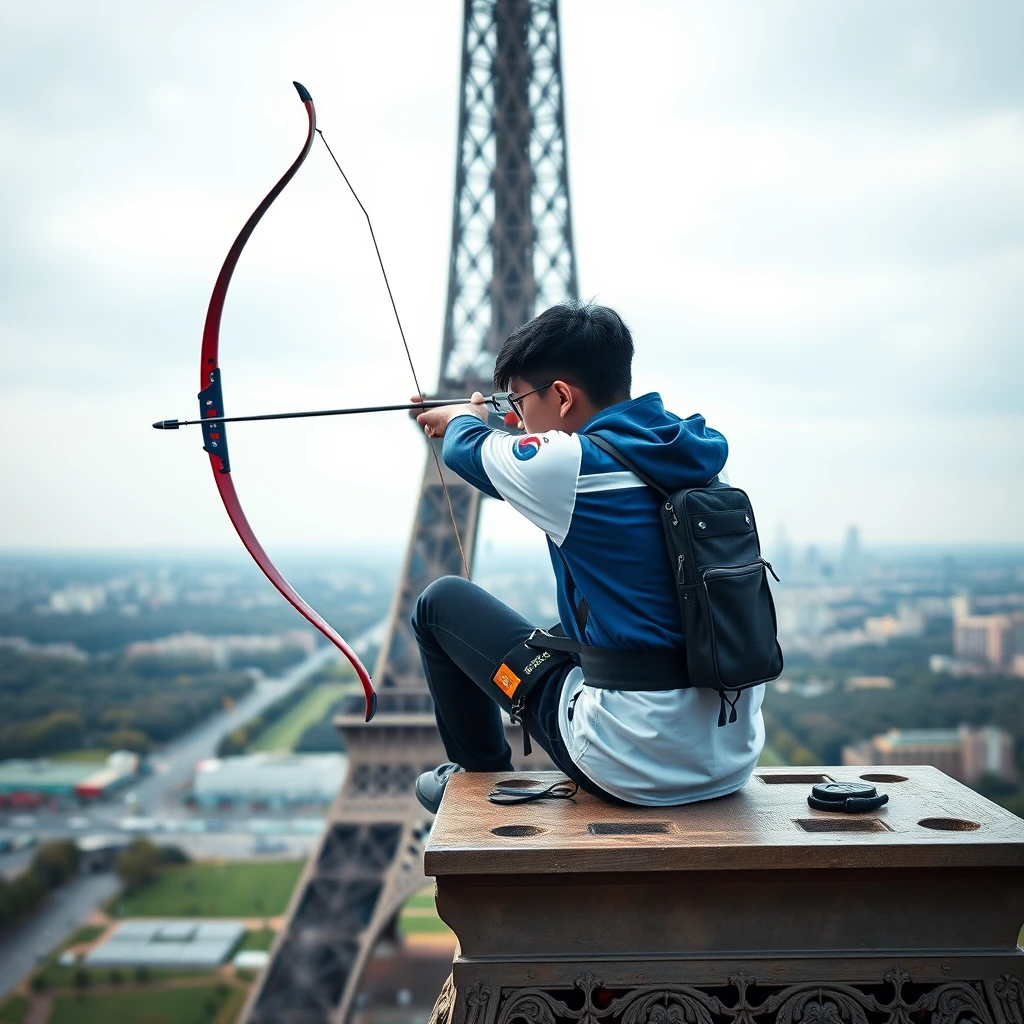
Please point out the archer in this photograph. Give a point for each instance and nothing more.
(568, 374)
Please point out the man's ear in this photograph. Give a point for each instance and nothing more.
(566, 399)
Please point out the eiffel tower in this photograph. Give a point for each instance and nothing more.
(511, 257)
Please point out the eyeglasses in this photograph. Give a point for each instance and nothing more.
(509, 401)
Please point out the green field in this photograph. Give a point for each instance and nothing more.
(161, 1006)
(419, 915)
(233, 889)
(84, 934)
(89, 755)
(261, 939)
(55, 976)
(422, 924)
(423, 900)
(13, 1010)
(769, 758)
(284, 734)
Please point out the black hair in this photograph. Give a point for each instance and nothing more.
(580, 343)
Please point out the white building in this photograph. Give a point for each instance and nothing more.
(269, 779)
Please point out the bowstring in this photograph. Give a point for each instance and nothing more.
(405, 345)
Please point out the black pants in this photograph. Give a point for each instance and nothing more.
(464, 633)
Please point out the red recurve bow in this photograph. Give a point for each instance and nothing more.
(215, 436)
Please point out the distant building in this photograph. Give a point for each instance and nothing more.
(271, 780)
(100, 852)
(168, 943)
(20, 645)
(120, 769)
(220, 650)
(964, 754)
(983, 638)
(78, 598)
(907, 621)
(870, 683)
(27, 783)
(850, 567)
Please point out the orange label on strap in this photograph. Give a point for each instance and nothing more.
(507, 679)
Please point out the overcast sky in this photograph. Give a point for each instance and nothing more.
(810, 213)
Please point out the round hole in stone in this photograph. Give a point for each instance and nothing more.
(519, 783)
(516, 831)
(884, 778)
(949, 824)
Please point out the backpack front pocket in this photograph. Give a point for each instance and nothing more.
(741, 615)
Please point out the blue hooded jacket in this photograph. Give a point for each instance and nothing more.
(606, 521)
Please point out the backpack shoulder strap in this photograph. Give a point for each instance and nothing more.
(605, 445)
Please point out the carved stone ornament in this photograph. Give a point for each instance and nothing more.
(442, 1011)
(888, 1002)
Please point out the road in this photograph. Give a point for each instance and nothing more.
(156, 793)
(177, 761)
(67, 909)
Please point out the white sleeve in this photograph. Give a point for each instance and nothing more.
(536, 475)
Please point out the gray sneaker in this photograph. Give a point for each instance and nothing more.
(430, 785)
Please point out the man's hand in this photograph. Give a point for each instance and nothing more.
(435, 421)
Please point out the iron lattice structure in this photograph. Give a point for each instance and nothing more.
(511, 256)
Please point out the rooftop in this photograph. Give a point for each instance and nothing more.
(168, 943)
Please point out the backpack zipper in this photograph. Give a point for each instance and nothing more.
(736, 570)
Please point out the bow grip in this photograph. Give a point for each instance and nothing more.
(215, 438)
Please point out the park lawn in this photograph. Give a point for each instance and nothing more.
(769, 758)
(423, 900)
(86, 933)
(53, 975)
(51, 972)
(282, 736)
(168, 1005)
(262, 938)
(14, 1009)
(232, 1007)
(229, 889)
(422, 924)
(419, 915)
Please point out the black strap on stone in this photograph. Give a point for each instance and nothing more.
(564, 789)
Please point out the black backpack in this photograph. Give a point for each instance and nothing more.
(725, 602)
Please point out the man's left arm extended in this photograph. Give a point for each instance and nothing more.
(464, 429)
(535, 473)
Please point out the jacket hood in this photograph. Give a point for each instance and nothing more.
(675, 452)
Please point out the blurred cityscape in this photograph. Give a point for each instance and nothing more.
(173, 710)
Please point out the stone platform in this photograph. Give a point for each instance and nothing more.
(747, 909)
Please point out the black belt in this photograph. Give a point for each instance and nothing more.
(613, 668)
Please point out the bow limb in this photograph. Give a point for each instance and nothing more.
(214, 434)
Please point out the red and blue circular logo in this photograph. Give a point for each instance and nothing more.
(526, 447)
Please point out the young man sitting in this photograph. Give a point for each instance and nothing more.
(568, 373)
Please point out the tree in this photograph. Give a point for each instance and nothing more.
(54, 863)
(173, 855)
(129, 739)
(139, 864)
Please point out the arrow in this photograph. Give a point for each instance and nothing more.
(435, 403)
